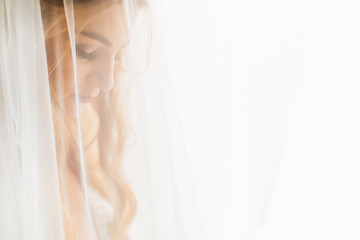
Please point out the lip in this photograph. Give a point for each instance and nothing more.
(85, 99)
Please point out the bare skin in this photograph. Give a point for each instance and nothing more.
(98, 45)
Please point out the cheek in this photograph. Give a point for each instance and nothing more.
(83, 69)
(61, 73)
(68, 83)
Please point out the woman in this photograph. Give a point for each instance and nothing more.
(77, 121)
(76, 190)
(88, 98)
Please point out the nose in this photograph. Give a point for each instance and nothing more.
(103, 75)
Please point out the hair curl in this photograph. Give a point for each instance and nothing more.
(111, 114)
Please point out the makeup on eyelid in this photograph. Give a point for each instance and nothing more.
(99, 52)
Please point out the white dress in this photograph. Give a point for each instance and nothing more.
(103, 213)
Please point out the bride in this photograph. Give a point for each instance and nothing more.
(88, 97)
(86, 149)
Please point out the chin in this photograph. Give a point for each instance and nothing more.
(74, 113)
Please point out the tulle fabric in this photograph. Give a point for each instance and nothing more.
(29, 185)
(89, 146)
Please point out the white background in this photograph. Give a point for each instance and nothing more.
(268, 97)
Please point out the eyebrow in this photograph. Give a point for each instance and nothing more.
(97, 37)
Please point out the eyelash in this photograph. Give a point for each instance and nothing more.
(92, 55)
(81, 53)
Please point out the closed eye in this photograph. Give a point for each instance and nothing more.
(83, 54)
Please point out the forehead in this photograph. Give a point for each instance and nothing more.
(110, 22)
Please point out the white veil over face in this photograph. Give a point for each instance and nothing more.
(88, 148)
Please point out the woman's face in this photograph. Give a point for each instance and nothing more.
(98, 50)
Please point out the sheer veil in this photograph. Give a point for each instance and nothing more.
(28, 183)
(90, 147)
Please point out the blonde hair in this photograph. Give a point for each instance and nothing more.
(111, 116)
